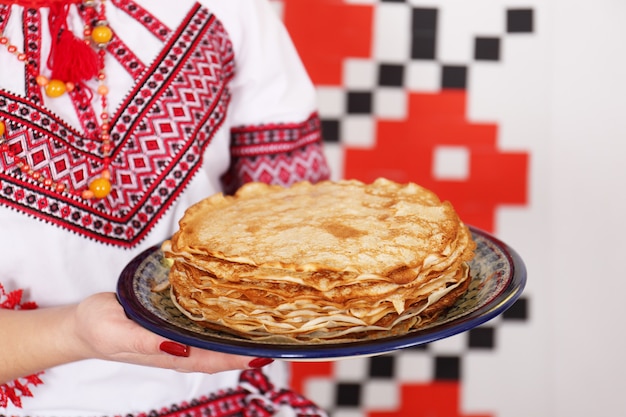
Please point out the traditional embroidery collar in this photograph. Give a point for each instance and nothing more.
(159, 136)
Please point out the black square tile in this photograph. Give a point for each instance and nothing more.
(487, 49)
(359, 102)
(454, 76)
(423, 46)
(330, 130)
(518, 311)
(382, 366)
(448, 368)
(348, 394)
(391, 75)
(482, 338)
(424, 33)
(424, 19)
(519, 20)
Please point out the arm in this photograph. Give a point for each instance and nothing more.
(34, 340)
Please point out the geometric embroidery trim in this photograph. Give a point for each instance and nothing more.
(159, 135)
(277, 153)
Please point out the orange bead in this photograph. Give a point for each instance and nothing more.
(101, 34)
(42, 80)
(87, 194)
(103, 90)
(106, 174)
(3, 128)
(55, 88)
(100, 187)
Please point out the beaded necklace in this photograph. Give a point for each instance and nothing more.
(72, 62)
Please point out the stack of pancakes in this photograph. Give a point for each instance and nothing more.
(332, 261)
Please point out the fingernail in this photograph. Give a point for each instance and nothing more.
(260, 362)
(174, 348)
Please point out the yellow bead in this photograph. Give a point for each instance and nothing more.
(101, 34)
(55, 88)
(100, 187)
(3, 128)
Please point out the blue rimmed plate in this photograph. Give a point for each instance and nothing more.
(498, 278)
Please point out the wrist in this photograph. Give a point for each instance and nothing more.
(70, 346)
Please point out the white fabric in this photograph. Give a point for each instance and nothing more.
(55, 266)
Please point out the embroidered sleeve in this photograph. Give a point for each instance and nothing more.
(277, 135)
(14, 391)
(279, 154)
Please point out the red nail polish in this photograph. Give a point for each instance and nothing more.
(174, 348)
(260, 362)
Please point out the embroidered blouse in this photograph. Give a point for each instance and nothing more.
(203, 96)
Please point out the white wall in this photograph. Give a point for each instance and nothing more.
(588, 166)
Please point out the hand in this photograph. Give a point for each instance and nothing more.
(104, 332)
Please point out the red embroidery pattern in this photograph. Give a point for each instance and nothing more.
(254, 397)
(159, 135)
(126, 57)
(13, 391)
(144, 17)
(5, 11)
(32, 48)
(117, 48)
(281, 154)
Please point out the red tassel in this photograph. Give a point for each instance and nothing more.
(73, 60)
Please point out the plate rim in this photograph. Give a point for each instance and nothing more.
(498, 303)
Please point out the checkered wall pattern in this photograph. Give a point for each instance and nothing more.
(421, 381)
(394, 108)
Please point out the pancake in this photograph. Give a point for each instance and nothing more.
(325, 262)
